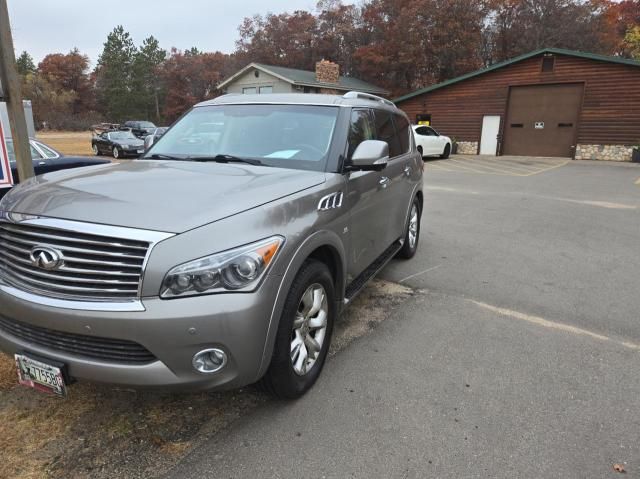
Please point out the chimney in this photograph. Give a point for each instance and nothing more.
(327, 72)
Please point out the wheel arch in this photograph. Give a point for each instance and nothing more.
(420, 197)
(325, 246)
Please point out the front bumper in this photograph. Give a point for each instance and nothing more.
(172, 330)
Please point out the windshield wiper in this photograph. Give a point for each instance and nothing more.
(158, 156)
(226, 159)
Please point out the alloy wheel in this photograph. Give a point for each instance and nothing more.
(309, 329)
(413, 227)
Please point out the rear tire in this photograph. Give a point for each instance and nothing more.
(304, 333)
(116, 152)
(446, 152)
(412, 233)
(420, 151)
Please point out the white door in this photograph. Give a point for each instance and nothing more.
(489, 138)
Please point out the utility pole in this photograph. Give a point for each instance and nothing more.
(11, 94)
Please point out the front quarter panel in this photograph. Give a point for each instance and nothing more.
(296, 218)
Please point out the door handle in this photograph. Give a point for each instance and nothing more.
(384, 182)
(42, 163)
(407, 170)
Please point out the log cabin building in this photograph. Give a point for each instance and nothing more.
(550, 102)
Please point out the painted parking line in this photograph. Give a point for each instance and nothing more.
(497, 166)
(638, 182)
(554, 325)
(504, 166)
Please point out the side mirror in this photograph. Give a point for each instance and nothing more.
(370, 155)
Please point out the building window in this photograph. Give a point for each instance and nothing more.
(266, 89)
(249, 91)
(548, 62)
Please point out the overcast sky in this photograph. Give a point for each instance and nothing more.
(49, 26)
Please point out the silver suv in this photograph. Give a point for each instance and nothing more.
(220, 258)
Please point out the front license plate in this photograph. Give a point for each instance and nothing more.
(40, 376)
(140, 151)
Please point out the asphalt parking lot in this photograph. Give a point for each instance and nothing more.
(517, 357)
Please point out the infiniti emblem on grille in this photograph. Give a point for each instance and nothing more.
(46, 258)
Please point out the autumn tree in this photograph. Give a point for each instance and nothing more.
(339, 29)
(520, 26)
(632, 42)
(69, 72)
(190, 77)
(624, 17)
(52, 106)
(413, 43)
(285, 39)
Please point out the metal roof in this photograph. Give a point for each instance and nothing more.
(555, 51)
(307, 78)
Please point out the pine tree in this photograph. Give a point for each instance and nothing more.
(115, 75)
(146, 85)
(25, 64)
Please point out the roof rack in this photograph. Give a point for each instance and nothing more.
(367, 96)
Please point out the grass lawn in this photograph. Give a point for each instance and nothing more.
(68, 142)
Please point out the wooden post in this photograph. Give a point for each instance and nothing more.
(13, 96)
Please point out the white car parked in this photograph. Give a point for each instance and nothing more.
(430, 142)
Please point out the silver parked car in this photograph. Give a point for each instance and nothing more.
(215, 260)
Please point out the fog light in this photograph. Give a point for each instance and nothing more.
(209, 361)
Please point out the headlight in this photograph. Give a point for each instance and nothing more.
(239, 269)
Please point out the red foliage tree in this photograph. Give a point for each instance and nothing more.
(70, 72)
(191, 77)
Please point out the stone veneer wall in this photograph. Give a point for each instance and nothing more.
(604, 152)
(467, 147)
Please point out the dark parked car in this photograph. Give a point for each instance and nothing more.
(155, 136)
(140, 128)
(46, 160)
(119, 143)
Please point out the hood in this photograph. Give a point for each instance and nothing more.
(170, 196)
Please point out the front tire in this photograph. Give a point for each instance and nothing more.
(446, 152)
(304, 333)
(116, 152)
(96, 150)
(412, 233)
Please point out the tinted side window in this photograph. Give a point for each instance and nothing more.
(402, 129)
(423, 130)
(361, 129)
(386, 132)
(35, 154)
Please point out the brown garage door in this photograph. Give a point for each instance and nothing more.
(542, 120)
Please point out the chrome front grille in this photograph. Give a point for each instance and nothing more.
(93, 267)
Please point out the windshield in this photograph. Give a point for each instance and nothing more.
(287, 136)
(122, 135)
